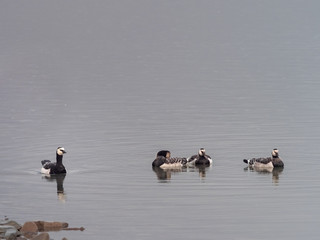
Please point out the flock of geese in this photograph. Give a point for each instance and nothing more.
(165, 161)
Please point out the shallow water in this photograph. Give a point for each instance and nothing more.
(114, 82)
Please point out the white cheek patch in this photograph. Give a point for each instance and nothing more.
(202, 152)
(60, 151)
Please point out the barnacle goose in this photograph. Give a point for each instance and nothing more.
(49, 167)
(201, 159)
(267, 162)
(164, 160)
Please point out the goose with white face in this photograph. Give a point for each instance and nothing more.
(57, 167)
(60, 151)
(266, 162)
(201, 159)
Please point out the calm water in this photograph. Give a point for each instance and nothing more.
(115, 81)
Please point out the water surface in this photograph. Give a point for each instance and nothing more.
(114, 82)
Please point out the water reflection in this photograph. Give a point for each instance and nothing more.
(276, 172)
(166, 174)
(200, 169)
(59, 178)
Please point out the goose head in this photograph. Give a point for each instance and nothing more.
(275, 152)
(164, 153)
(202, 152)
(60, 151)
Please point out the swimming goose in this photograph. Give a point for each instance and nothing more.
(268, 162)
(49, 167)
(201, 159)
(164, 160)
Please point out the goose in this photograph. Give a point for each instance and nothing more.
(201, 159)
(267, 162)
(49, 167)
(164, 160)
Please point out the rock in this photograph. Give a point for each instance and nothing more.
(29, 229)
(11, 223)
(40, 225)
(8, 232)
(11, 234)
(29, 235)
(11, 230)
(50, 226)
(21, 238)
(55, 225)
(42, 236)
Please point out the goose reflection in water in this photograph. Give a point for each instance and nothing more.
(201, 169)
(166, 173)
(276, 172)
(59, 178)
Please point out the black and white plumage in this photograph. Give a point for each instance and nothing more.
(49, 167)
(201, 159)
(268, 162)
(164, 160)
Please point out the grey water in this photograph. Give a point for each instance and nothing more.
(113, 82)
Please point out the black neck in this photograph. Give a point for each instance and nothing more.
(59, 159)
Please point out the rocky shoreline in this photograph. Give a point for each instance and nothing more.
(33, 230)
